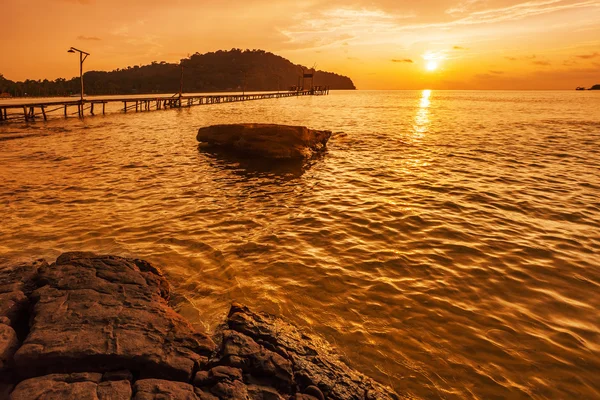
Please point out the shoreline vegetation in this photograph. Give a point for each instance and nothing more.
(101, 326)
(220, 71)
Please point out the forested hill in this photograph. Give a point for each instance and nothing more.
(211, 72)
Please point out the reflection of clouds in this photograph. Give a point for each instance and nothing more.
(421, 124)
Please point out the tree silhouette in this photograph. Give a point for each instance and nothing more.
(211, 72)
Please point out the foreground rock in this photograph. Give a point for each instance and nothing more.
(100, 328)
(266, 140)
(277, 361)
(16, 284)
(81, 386)
(111, 313)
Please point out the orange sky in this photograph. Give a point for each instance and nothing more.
(380, 44)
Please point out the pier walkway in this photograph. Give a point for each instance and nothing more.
(30, 110)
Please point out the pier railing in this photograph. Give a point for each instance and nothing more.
(31, 110)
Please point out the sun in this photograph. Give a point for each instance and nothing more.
(431, 65)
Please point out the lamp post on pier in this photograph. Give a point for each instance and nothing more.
(244, 88)
(180, 83)
(81, 60)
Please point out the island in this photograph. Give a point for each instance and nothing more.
(220, 71)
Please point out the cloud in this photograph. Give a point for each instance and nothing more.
(588, 56)
(513, 12)
(462, 7)
(520, 11)
(541, 62)
(497, 72)
(341, 25)
(512, 58)
(405, 60)
(434, 55)
(90, 38)
(384, 24)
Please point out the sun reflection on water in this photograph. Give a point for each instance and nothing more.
(421, 124)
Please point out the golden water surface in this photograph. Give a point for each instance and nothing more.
(447, 243)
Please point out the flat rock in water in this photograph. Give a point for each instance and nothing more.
(266, 140)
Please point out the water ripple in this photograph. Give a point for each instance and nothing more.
(448, 248)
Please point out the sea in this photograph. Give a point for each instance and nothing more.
(447, 243)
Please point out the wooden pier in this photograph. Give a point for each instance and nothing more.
(66, 108)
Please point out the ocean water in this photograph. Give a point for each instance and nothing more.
(447, 242)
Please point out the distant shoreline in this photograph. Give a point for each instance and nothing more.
(333, 90)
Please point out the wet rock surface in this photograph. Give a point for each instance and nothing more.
(8, 346)
(111, 313)
(76, 386)
(265, 140)
(16, 284)
(100, 328)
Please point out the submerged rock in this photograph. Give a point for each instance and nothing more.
(266, 140)
(100, 328)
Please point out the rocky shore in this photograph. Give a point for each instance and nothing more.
(100, 327)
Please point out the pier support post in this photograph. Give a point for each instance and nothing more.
(44, 113)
